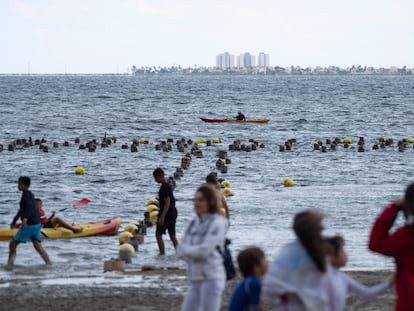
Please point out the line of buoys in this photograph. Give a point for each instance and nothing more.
(251, 146)
(382, 143)
(129, 239)
(151, 206)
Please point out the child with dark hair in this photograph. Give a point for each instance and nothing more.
(342, 282)
(53, 221)
(30, 227)
(253, 266)
(298, 278)
(399, 245)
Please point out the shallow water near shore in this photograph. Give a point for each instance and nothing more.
(350, 187)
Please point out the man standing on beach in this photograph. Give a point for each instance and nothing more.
(168, 213)
(30, 227)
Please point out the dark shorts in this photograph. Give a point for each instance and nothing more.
(47, 225)
(169, 224)
(28, 232)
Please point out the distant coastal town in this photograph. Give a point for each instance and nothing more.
(249, 64)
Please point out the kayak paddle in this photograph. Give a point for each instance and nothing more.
(81, 202)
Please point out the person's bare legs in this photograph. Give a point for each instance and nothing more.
(39, 248)
(160, 242)
(12, 251)
(56, 221)
(174, 240)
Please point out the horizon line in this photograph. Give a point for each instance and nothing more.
(233, 70)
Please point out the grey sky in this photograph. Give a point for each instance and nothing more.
(98, 36)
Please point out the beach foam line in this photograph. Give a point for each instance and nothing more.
(171, 281)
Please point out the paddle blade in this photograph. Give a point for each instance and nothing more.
(81, 202)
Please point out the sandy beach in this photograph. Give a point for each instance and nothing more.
(166, 293)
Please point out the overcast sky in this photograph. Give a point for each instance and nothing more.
(98, 36)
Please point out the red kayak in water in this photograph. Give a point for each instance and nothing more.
(208, 120)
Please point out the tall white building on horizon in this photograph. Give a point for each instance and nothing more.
(263, 60)
(246, 60)
(225, 61)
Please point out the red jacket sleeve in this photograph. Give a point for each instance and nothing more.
(380, 240)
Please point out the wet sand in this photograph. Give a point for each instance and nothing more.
(156, 297)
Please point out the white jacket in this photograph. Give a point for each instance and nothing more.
(198, 247)
(294, 283)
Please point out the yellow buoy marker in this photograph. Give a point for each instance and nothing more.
(200, 141)
(225, 184)
(79, 170)
(227, 192)
(130, 228)
(409, 140)
(127, 248)
(216, 140)
(151, 208)
(387, 139)
(125, 236)
(288, 182)
(152, 202)
(347, 140)
(154, 216)
(142, 140)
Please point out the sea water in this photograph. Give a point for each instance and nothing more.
(350, 187)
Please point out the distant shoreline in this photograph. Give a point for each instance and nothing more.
(198, 74)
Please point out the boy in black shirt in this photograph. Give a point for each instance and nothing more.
(30, 228)
(168, 213)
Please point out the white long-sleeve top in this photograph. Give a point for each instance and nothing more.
(343, 284)
(198, 247)
(293, 283)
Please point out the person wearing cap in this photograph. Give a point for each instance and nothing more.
(240, 116)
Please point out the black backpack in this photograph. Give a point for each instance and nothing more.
(227, 260)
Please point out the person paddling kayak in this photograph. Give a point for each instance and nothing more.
(240, 116)
(52, 221)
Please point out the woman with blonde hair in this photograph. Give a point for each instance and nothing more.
(200, 248)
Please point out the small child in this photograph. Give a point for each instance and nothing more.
(53, 221)
(253, 265)
(343, 283)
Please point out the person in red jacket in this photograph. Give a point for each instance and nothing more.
(399, 244)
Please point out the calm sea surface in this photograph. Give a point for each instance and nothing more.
(350, 187)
